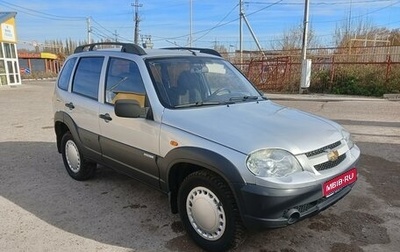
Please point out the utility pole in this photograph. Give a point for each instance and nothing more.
(136, 20)
(116, 36)
(190, 24)
(305, 31)
(242, 17)
(253, 35)
(241, 32)
(305, 63)
(89, 30)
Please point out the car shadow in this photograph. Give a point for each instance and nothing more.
(110, 208)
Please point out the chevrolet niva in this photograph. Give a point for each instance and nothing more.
(188, 123)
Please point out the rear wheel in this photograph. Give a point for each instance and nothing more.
(77, 166)
(209, 212)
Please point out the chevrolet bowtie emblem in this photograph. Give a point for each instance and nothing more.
(333, 155)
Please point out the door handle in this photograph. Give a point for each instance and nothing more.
(70, 105)
(106, 117)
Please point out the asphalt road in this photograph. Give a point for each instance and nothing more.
(43, 209)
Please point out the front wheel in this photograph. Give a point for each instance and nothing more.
(209, 212)
(77, 166)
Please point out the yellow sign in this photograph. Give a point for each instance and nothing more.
(8, 33)
(48, 56)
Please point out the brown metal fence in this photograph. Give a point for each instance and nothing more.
(332, 68)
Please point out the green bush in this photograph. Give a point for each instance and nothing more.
(320, 82)
(353, 86)
(364, 80)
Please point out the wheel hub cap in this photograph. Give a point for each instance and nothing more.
(206, 213)
(72, 156)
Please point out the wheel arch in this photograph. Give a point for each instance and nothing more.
(63, 123)
(181, 162)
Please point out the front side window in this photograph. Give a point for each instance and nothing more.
(197, 81)
(124, 81)
(65, 75)
(87, 77)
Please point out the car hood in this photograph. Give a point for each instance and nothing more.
(250, 126)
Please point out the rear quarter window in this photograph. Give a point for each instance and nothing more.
(65, 75)
(87, 77)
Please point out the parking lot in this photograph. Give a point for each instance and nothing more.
(43, 209)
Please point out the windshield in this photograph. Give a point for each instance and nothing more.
(199, 81)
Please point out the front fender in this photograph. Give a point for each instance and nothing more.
(202, 158)
(182, 161)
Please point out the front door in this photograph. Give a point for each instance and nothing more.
(129, 144)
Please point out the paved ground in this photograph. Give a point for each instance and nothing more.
(42, 209)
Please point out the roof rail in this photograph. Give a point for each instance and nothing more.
(201, 50)
(125, 47)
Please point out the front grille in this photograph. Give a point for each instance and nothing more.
(312, 155)
(330, 164)
(323, 149)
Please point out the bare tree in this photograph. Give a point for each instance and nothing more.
(394, 37)
(220, 48)
(360, 32)
(291, 39)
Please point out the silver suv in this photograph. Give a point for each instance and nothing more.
(187, 122)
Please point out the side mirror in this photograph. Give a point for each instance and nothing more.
(129, 109)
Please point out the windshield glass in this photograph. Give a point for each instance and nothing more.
(199, 81)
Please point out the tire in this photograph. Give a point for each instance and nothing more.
(77, 166)
(209, 212)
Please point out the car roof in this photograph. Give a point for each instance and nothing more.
(137, 50)
(167, 52)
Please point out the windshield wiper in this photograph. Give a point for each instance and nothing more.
(201, 103)
(244, 98)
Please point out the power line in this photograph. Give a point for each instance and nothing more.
(259, 6)
(217, 25)
(108, 33)
(220, 24)
(101, 26)
(321, 3)
(98, 31)
(266, 7)
(37, 13)
(359, 16)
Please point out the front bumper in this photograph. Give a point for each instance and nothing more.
(275, 208)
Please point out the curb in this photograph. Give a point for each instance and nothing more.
(319, 98)
(392, 97)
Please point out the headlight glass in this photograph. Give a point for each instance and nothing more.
(348, 138)
(272, 163)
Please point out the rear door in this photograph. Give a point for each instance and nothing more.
(83, 106)
(129, 144)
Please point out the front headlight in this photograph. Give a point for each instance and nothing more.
(272, 163)
(348, 138)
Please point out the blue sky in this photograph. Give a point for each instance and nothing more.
(212, 21)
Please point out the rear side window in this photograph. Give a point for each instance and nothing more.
(65, 75)
(87, 77)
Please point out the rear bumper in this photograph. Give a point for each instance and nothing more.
(275, 208)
